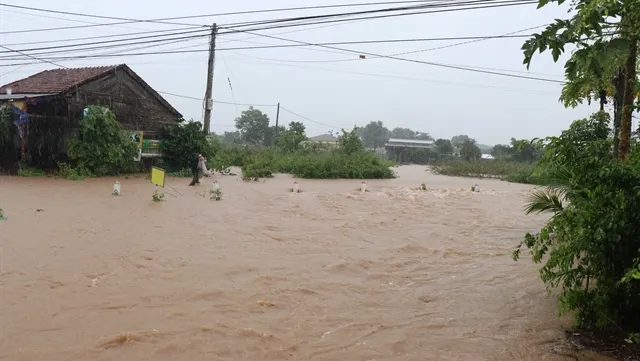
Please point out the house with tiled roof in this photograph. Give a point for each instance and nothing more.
(51, 103)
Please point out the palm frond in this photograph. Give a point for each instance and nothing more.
(544, 201)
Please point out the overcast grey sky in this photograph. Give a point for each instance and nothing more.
(443, 102)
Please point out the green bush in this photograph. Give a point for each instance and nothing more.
(68, 172)
(103, 147)
(327, 165)
(591, 244)
(485, 169)
(24, 171)
(180, 142)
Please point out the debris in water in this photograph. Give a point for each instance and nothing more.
(266, 303)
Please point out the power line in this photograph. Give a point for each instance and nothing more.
(519, 2)
(108, 36)
(160, 20)
(412, 78)
(267, 46)
(459, 3)
(33, 57)
(177, 18)
(215, 101)
(309, 119)
(470, 41)
(201, 31)
(409, 60)
(50, 11)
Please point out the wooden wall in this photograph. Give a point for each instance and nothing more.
(134, 106)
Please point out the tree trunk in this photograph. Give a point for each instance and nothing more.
(628, 100)
(603, 99)
(618, 83)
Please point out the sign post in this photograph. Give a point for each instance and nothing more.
(158, 178)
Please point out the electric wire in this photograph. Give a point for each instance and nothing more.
(387, 41)
(410, 60)
(460, 3)
(152, 20)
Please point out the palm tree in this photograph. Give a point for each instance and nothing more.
(553, 197)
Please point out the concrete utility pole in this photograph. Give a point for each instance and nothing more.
(208, 95)
(277, 118)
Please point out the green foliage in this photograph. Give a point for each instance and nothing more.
(68, 172)
(444, 146)
(606, 37)
(510, 171)
(290, 140)
(253, 126)
(350, 142)
(180, 142)
(340, 165)
(25, 171)
(103, 147)
(317, 165)
(519, 150)
(469, 151)
(591, 243)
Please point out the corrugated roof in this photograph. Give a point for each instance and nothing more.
(56, 80)
(414, 141)
(324, 138)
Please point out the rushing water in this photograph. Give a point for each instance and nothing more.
(331, 273)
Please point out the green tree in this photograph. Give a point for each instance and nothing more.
(469, 151)
(423, 136)
(350, 142)
(402, 133)
(253, 126)
(374, 134)
(444, 146)
(590, 245)
(180, 142)
(603, 32)
(459, 140)
(291, 139)
(233, 138)
(502, 152)
(103, 147)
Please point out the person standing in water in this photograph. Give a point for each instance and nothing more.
(195, 162)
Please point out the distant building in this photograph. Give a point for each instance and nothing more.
(324, 139)
(487, 157)
(398, 149)
(397, 145)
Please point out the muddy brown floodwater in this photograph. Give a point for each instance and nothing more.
(331, 273)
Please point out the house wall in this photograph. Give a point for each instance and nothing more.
(133, 105)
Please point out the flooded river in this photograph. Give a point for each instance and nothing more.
(331, 273)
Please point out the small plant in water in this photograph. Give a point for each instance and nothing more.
(216, 194)
(2, 217)
(157, 197)
(423, 187)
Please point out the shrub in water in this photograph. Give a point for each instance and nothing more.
(103, 147)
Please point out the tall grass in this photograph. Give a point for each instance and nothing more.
(326, 165)
(510, 171)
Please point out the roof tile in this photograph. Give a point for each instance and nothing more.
(56, 80)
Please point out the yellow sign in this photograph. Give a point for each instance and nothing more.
(158, 176)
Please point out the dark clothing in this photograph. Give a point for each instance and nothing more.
(194, 162)
(196, 177)
(194, 170)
